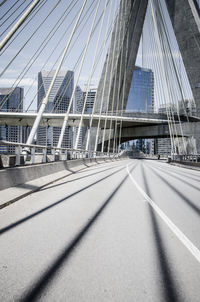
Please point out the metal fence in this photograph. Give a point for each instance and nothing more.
(32, 154)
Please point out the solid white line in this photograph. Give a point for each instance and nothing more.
(179, 234)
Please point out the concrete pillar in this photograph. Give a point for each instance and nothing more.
(185, 18)
(132, 15)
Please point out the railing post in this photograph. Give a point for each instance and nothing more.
(66, 154)
(60, 155)
(53, 152)
(33, 155)
(44, 157)
(18, 154)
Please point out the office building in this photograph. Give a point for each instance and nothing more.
(78, 107)
(141, 94)
(58, 103)
(79, 102)
(90, 100)
(162, 146)
(11, 99)
(141, 99)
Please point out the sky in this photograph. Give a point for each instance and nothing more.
(36, 30)
(44, 30)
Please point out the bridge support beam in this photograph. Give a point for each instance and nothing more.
(132, 14)
(185, 18)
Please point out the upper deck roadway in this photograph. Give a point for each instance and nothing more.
(56, 119)
(111, 232)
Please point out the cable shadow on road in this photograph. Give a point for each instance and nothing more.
(27, 186)
(36, 289)
(75, 179)
(186, 174)
(95, 167)
(23, 220)
(169, 286)
(177, 177)
(180, 194)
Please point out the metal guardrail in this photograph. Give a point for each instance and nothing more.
(56, 153)
(187, 158)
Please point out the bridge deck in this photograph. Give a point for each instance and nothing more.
(52, 119)
(93, 236)
(56, 119)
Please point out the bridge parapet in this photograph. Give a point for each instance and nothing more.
(43, 154)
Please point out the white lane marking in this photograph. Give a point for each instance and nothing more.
(179, 234)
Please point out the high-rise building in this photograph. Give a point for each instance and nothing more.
(141, 99)
(78, 107)
(90, 100)
(79, 101)
(11, 99)
(58, 102)
(197, 4)
(162, 146)
(141, 94)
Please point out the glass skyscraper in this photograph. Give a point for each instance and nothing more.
(141, 99)
(197, 4)
(141, 94)
(58, 102)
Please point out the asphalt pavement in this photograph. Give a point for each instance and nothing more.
(122, 231)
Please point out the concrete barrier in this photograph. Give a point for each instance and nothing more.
(11, 177)
(186, 163)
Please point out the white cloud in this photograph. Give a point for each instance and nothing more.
(24, 82)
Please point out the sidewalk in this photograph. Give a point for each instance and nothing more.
(12, 194)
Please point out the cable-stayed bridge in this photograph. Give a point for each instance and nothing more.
(96, 222)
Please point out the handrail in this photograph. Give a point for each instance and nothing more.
(31, 158)
(3, 142)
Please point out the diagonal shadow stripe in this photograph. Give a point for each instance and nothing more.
(180, 194)
(36, 290)
(78, 178)
(176, 177)
(169, 286)
(186, 174)
(20, 221)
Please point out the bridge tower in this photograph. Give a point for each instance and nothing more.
(125, 47)
(185, 18)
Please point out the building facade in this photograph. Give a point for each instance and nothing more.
(163, 146)
(80, 96)
(11, 99)
(141, 94)
(58, 103)
(141, 99)
(90, 100)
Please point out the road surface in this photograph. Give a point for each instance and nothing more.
(127, 230)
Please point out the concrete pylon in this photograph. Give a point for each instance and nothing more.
(124, 43)
(185, 18)
(119, 64)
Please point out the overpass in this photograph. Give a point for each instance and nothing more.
(134, 124)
